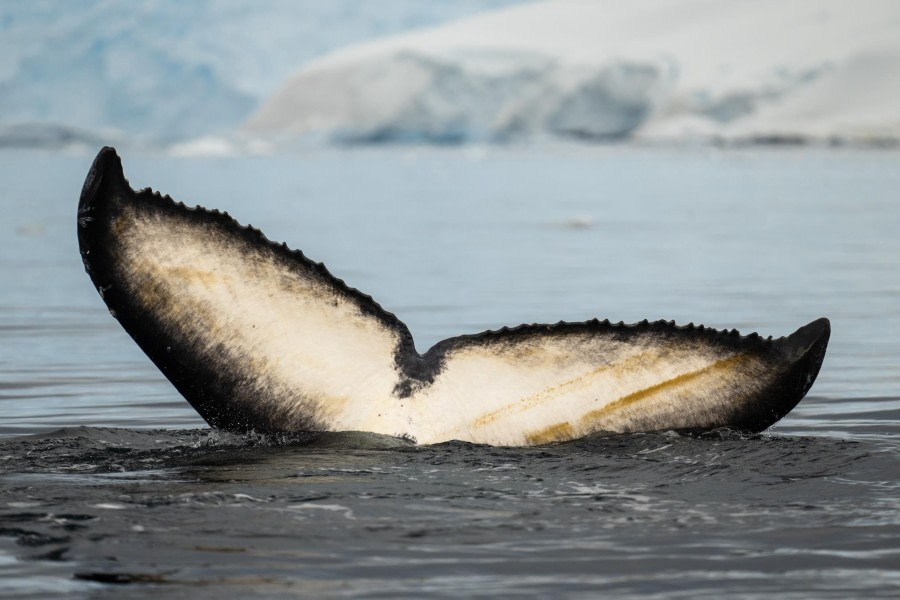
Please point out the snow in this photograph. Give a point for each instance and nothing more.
(758, 70)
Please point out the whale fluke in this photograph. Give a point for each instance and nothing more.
(258, 337)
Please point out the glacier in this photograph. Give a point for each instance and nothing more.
(767, 71)
(217, 77)
(166, 71)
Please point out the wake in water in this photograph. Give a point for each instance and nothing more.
(357, 514)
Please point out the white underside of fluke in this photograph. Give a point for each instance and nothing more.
(302, 343)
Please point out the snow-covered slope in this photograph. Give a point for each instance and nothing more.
(165, 70)
(601, 69)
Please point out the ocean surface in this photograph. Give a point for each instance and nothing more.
(110, 484)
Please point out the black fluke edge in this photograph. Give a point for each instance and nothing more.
(106, 190)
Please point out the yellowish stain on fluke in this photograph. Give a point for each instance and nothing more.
(191, 275)
(555, 433)
(591, 421)
(120, 225)
(724, 364)
(549, 393)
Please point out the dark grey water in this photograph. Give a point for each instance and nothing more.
(455, 241)
(639, 515)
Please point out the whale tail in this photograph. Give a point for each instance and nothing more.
(257, 336)
(802, 354)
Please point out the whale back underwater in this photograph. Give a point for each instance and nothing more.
(257, 337)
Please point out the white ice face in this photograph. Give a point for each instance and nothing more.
(673, 71)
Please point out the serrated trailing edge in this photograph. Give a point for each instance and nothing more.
(108, 166)
(772, 374)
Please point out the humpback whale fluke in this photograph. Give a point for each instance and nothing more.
(257, 336)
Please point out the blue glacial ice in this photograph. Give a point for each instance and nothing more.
(166, 70)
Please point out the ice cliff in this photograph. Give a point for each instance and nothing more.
(205, 75)
(761, 70)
